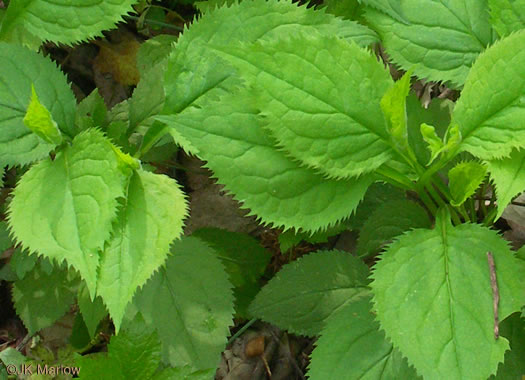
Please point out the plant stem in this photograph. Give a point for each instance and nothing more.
(472, 208)
(241, 330)
(454, 215)
(394, 177)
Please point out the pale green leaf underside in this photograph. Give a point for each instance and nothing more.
(309, 290)
(64, 21)
(443, 37)
(352, 347)
(148, 221)
(330, 119)
(389, 220)
(63, 209)
(491, 109)
(509, 177)
(244, 159)
(197, 305)
(41, 298)
(507, 16)
(433, 298)
(18, 145)
(464, 180)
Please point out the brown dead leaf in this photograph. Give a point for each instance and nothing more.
(119, 59)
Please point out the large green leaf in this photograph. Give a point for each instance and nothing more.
(491, 109)
(308, 291)
(18, 145)
(330, 120)
(244, 259)
(376, 196)
(148, 221)
(194, 74)
(41, 298)
(442, 37)
(135, 353)
(243, 157)
(389, 220)
(190, 303)
(251, 20)
(509, 178)
(63, 209)
(63, 21)
(433, 298)
(507, 16)
(352, 347)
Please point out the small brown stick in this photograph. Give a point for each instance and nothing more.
(495, 293)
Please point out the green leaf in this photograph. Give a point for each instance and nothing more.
(243, 258)
(513, 367)
(248, 21)
(5, 240)
(148, 97)
(91, 112)
(210, 5)
(39, 120)
(93, 311)
(40, 298)
(291, 238)
(11, 355)
(197, 305)
(154, 51)
(433, 298)
(274, 187)
(309, 290)
(21, 262)
(348, 9)
(388, 221)
(195, 75)
(186, 373)
(133, 354)
(464, 180)
(491, 107)
(437, 116)
(507, 16)
(80, 20)
(148, 221)
(63, 209)
(393, 105)
(18, 146)
(325, 121)
(508, 177)
(376, 195)
(443, 38)
(434, 143)
(351, 347)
